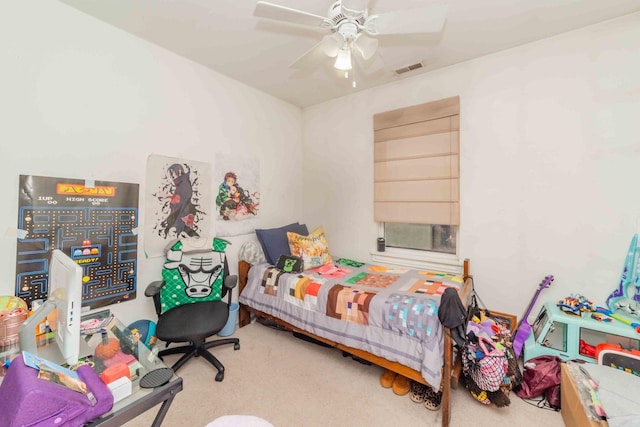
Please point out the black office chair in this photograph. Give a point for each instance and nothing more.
(194, 323)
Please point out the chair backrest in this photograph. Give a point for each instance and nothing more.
(194, 271)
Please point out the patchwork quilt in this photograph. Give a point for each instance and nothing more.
(389, 312)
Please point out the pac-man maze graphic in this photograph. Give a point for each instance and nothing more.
(102, 240)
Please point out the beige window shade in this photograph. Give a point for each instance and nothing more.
(417, 164)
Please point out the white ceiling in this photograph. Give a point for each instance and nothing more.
(225, 36)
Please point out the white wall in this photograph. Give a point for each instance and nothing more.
(550, 140)
(82, 99)
(549, 132)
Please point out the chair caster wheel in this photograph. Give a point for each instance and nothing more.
(236, 346)
(219, 376)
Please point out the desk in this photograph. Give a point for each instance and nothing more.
(141, 399)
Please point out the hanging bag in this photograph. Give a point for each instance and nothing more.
(485, 363)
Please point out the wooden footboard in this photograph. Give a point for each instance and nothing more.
(449, 368)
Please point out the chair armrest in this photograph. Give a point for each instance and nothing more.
(153, 288)
(231, 282)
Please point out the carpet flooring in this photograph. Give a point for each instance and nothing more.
(293, 383)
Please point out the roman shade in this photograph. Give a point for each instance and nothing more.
(417, 164)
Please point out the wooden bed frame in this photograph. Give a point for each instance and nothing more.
(450, 367)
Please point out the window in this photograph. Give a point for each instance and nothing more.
(416, 176)
(590, 338)
(556, 337)
(541, 320)
(424, 237)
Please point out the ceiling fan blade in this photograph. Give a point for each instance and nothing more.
(332, 43)
(412, 21)
(354, 7)
(293, 16)
(366, 45)
(310, 58)
(370, 66)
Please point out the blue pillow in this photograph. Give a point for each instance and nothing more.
(274, 241)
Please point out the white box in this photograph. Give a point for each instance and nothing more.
(120, 388)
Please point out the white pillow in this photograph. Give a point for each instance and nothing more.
(252, 253)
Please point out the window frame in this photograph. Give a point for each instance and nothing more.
(421, 259)
(407, 140)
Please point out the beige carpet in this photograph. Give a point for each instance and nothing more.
(293, 383)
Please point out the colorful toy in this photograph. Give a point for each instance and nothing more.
(571, 336)
(619, 317)
(524, 328)
(626, 298)
(110, 353)
(575, 304)
(601, 317)
(143, 331)
(617, 357)
(13, 312)
(592, 386)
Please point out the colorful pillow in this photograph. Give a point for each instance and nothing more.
(274, 240)
(313, 249)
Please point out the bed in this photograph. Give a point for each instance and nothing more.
(385, 315)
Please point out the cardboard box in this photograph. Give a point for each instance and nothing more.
(574, 413)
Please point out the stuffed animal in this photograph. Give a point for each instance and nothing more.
(110, 353)
(106, 350)
(488, 326)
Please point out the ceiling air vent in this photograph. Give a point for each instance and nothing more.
(409, 68)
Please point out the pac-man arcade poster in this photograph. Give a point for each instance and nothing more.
(93, 222)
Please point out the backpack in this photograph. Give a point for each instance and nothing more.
(541, 377)
(193, 272)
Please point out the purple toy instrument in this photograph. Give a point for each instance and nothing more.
(524, 327)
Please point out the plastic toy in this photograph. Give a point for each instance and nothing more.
(626, 298)
(575, 304)
(571, 336)
(617, 357)
(596, 405)
(13, 312)
(143, 331)
(619, 317)
(524, 328)
(601, 317)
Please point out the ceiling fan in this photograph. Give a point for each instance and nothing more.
(352, 29)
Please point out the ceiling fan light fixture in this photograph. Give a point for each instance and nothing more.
(367, 46)
(331, 44)
(343, 61)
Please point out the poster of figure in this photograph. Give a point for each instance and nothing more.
(95, 223)
(237, 181)
(178, 199)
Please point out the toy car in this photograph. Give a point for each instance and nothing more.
(576, 336)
